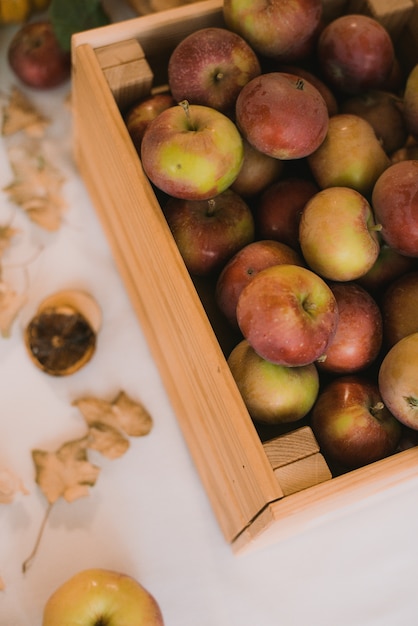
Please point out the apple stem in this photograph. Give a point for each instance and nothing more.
(27, 562)
(376, 227)
(300, 84)
(211, 207)
(186, 108)
(377, 408)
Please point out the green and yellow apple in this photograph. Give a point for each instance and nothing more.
(100, 597)
(273, 394)
(350, 156)
(398, 380)
(288, 314)
(337, 234)
(282, 115)
(192, 151)
(210, 66)
(274, 28)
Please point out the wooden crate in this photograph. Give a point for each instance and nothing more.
(254, 500)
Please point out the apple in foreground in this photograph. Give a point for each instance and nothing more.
(210, 66)
(282, 115)
(399, 306)
(358, 339)
(395, 204)
(244, 266)
(99, 597)
(342, 220)
(36, 57)
(355, 53)
(273, 394)
(142, 112)
(192, 151)
(288, 314)
(274, 28)
(350, 156)
(209, 232)
(351, 423)
(398, 380)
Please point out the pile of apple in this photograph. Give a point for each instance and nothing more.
(286, 154)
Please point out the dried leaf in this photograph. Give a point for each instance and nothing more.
(10, 486)
(36, 187)
(2, 584)
(109, 422)
(6, 235)
(20, 114)
(10, 304)
(65, 473)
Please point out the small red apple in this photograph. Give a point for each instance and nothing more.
(36, 57)
(288, 314)
(351, 423)
(141, 113)
(209, 232)
(258, 171)
(358, 339)
(398, 380)
(244, 266)
(210, 66)
(273, 394)
(399, 306)
(282, 115)
(355, 53)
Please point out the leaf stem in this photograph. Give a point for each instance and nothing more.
(28, 562)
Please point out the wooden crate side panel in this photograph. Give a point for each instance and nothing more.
(210, 410)
(305, 509)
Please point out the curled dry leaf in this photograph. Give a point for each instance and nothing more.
(36, 187)
(10, 304)
(10, 486)
(20, 114)
(66, 473)
(110, 423)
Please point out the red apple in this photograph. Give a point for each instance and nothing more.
(210, 67)
(399, 308)
(209, 232)
(323, 88)
(192, 152)
(350, 156)
(273, 394)
(388, 266)
(337, 234)
(244, 266)
(36, 57)
(278, 210)
(288, 314)
(398, 380)
(258, 171)
(395, 204)
(351, 423)
(384, 111)
(274, 28)
(141, 113)
(282, 115)
(355, 52)
(358, 339)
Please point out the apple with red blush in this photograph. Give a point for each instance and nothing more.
(395, 204)
(275, 28)
(282, 115)
(358, 338)
(398, 380)
(36, 57)
(192, 151)
(273, 394)
(288, 314)
(337, 234)
(389, 265)
(257, 172)
(209, 232)
(325, 91)
(355, 52)
(278, 210)
(140, 114)
(210, 66)
(244, 266)
(352, 424)
(399, 306)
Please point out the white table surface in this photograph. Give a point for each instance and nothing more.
(148, 514)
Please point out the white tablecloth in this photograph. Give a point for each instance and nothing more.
(148, 514)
